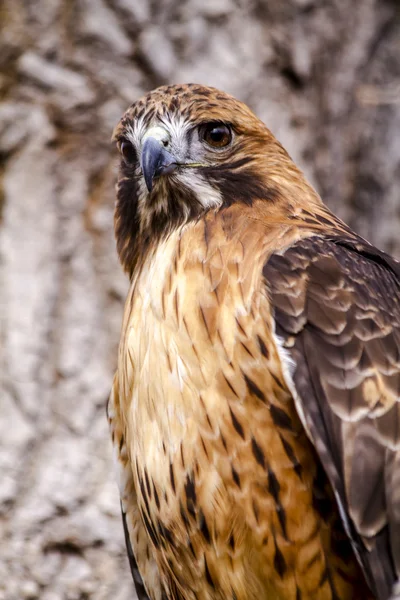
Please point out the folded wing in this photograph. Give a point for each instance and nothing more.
(337, 310)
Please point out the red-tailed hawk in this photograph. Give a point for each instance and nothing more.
(255, 412)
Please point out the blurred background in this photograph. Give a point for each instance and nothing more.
(323, 75)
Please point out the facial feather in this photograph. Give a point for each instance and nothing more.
(253, 166)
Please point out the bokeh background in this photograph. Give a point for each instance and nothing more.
(325, 77)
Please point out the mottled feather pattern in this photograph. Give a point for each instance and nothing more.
(223, 438)
(142, 564)
(255, 409)
(339, 314)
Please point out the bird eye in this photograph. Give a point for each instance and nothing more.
(217, 135)
(128, 152)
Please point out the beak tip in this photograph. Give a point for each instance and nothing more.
(149, 183)
(155, 161)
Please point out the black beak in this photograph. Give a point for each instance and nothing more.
(156, 161)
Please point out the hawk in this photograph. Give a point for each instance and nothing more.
(255, 412)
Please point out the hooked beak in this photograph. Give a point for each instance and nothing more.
(155, 160)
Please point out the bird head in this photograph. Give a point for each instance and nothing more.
(185, 150)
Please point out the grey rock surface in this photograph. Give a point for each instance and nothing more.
(325, 78)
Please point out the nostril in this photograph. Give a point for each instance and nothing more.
(165, 143)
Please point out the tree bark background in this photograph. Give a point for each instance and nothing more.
(324, 76)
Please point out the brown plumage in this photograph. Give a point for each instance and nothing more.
(255, 411)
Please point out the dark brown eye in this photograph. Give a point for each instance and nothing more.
(128, 152)
(217, 135)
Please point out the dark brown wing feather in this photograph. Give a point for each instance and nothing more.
(137, 578)
(337, 309)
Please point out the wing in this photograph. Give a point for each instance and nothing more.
(137, 578)
(130, 512)
(337, 312)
